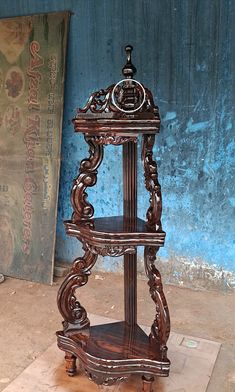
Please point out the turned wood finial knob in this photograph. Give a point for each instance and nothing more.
(129, 69)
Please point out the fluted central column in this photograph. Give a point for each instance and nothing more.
(130, 213)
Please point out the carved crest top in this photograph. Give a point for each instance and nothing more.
(126, 100)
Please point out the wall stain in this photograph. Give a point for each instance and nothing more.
(198, 126)
(180, 271)
(169, 116)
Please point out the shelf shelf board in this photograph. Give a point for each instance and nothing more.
(125, 348)
(115, 231)
(148, 124)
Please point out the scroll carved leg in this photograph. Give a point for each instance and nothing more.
(151, 183)
(82, 209)
(75, 316)
(147, 384)
(70, 363)
(160, 329)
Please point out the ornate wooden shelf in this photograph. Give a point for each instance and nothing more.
(110, 353)
(117, 350)
(114, 235)
(117, 127)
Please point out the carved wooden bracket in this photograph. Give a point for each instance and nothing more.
(104, 380)
(73, 313)
(151, 183)
(160, 329)
(112, 250)
(113, 139)
(87, 177)
(100, 101)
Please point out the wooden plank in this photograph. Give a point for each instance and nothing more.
(32, 69)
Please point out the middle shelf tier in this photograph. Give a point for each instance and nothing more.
(115, 231)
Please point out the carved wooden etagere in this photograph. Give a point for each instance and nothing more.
(111, 352)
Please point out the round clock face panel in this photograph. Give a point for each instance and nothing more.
(128, 96)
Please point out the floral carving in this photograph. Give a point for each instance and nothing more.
(100, 101)
(113, 139)
(102, 380)
(110, 250)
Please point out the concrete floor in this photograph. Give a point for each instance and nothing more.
(29, 319)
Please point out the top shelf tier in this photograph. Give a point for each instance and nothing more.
(124, 108)
(120, 127)
(128, 127)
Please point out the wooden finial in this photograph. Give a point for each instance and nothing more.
(129, 69)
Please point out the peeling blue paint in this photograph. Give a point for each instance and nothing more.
(170, 141)
(169, 116)
(230, 150)
(211, 168)
(232, 201)
(198, 126)
(229, 125)
(201, 67)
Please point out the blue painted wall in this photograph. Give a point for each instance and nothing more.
(184, 52)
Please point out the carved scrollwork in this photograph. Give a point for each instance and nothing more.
(100, 379)
(87, 177)
(151, 183)
(100, 101)
(110, 250)
(160, 329)
(112, 139)
(73, 313)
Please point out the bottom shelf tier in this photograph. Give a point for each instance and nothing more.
(111, 352)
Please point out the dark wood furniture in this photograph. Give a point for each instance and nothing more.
(110, 353)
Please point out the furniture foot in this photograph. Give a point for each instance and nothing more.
(70, 363)
(147, 383)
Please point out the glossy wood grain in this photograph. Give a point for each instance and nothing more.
(115, 231)
(110, 353)
(130, 221)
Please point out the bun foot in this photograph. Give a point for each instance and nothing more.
(147, 384)
(70, 363)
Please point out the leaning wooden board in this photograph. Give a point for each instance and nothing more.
(32, 72)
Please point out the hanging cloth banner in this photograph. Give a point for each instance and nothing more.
(32, 73)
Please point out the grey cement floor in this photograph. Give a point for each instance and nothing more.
(29, 319)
